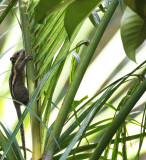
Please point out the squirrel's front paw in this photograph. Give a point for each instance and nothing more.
(29, 58)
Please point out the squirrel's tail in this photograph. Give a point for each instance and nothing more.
(18, 110)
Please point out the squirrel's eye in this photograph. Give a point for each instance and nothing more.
(18, 53)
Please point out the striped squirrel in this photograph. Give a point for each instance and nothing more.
(17, 86)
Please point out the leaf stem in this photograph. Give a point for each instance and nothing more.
(65, 108)
(35, 124)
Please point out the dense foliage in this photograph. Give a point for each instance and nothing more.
(49, 28)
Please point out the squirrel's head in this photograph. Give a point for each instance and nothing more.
(18, 54)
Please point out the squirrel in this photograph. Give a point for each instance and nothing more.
(17, 86)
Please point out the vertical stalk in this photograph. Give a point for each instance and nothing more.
(65, 108)
(35, 124)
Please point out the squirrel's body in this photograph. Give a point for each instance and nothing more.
(17, 85)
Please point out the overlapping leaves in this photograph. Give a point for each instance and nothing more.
(76, 11)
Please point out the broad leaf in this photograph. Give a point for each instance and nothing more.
(133, 32)
(138, 6)
(47, 7)
(77, 12)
